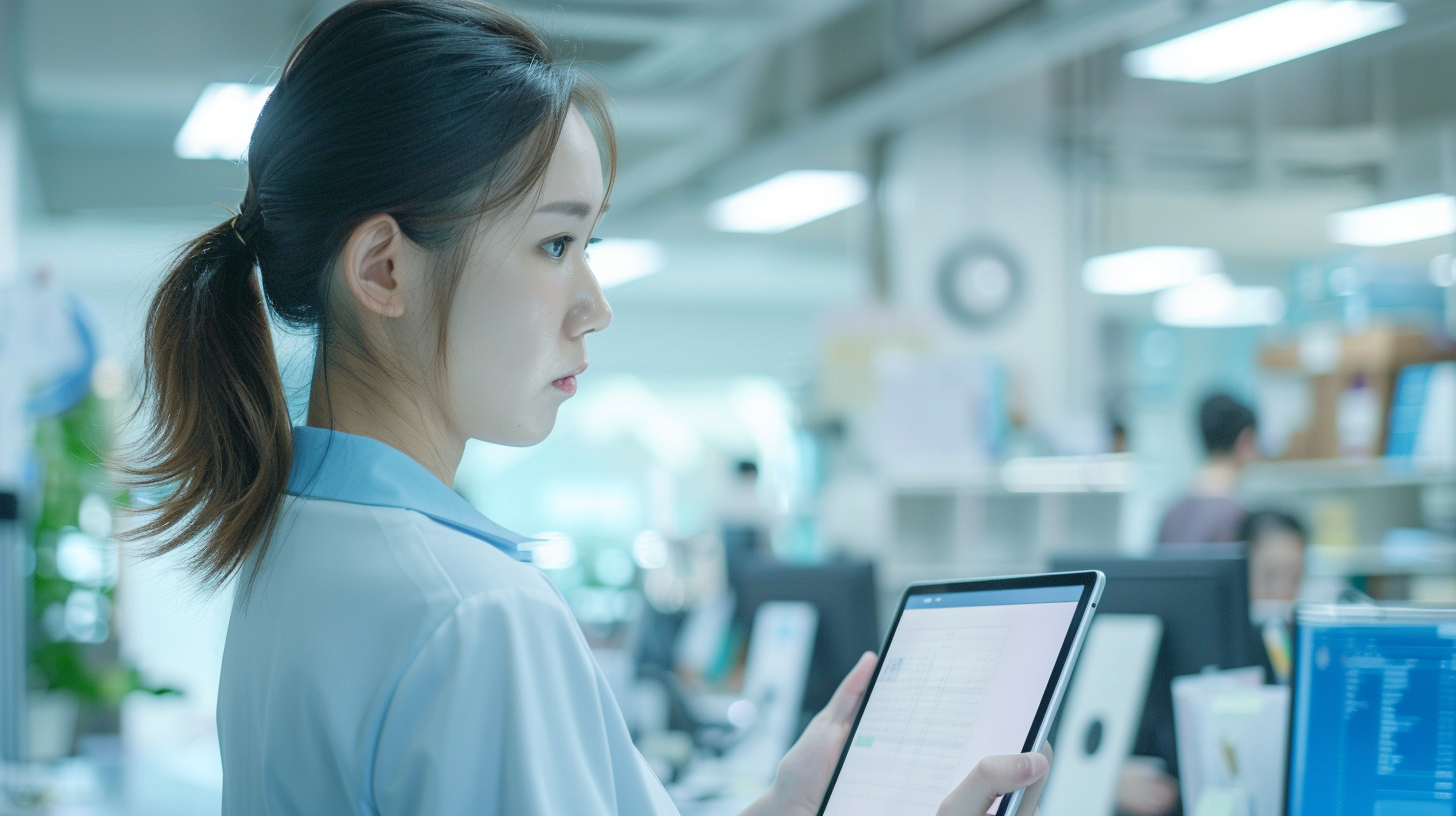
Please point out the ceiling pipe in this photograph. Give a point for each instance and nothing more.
(917, 92)
(878, 234)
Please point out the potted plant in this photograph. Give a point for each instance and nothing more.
(75, 669)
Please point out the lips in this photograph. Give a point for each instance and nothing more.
(567, 384)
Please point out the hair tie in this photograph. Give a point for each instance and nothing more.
(233, 223)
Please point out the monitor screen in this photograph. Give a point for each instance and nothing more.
(1202, 597)
(1374, 719)
(844, 594)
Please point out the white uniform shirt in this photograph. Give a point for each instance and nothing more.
(396, 657)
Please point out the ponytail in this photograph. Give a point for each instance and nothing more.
(217, 427)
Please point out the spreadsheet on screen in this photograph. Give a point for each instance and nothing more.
(1374, 729)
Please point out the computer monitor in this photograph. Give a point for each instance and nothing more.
(844, 594)
(1202, 596)
(1373, 725)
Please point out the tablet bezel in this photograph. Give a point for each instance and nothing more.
(1090, 581)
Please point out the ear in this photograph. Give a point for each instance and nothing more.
(1247, 444)
(374, 268)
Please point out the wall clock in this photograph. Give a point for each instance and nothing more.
(980, 282)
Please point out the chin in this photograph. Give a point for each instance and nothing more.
(522, 434)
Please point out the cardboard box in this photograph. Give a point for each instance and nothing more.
(1375, 357)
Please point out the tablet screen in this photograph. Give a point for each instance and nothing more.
(962, 678)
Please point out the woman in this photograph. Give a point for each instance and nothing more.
(1275, 545)
(422, 185)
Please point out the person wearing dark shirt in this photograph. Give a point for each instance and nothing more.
(1275, 543)
(1209, 513)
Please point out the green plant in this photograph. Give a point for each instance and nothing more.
(72, 647)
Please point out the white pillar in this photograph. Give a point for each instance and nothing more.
(9, 144)
(14, 583)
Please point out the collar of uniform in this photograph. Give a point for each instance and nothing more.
(359, 470)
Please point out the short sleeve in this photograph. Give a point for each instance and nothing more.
(504, 711)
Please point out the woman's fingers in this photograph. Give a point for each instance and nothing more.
(993, 777)
(1033, 793)
(846, 698)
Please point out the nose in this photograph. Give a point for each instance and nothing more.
(590, 311)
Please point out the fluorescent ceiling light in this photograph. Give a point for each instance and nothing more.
(221, 123)
(1139, 271)
(618, 260)
(788, 200)
(1395, 222)
(1443, 271)
(1276, 34)
(1214, 301)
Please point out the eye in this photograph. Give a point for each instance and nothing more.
(556, 247)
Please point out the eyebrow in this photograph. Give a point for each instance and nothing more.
(575, 209)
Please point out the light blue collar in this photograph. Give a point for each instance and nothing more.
(359, 470)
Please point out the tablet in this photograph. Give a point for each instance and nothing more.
(970, 669)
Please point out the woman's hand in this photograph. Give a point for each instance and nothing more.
(803, 775)
(996, 776)
(1145, 789)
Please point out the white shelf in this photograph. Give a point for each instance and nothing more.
(1343, 474)
(1344, 562)
(1032, 475)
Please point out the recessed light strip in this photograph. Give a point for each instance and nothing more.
(1270, 36)
(1395, 222)
(788, 200)
(1149, 269)
(1214, 302)
(616, 261)
(221, 122)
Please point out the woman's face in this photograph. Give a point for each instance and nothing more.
(1276, 566)
(527, 300)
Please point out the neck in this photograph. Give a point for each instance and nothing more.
(1219, 476)
(407, 425)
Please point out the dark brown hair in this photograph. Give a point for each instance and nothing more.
(1223, 419)
(435, 112)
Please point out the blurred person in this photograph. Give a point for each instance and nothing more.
(1275, 544)
(422, 184)
(1146, 788)
(1118, 438)
(1209, 513)
(745, 523)
(741, 502)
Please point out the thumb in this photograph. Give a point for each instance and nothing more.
(992, 777)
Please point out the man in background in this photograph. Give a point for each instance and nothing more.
(1209, 513)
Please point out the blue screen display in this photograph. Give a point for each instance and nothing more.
(1374, 731)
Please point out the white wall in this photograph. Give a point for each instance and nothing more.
(987, 171)
(113, 263)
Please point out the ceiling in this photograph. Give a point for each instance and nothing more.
(713, 95)
(106, 85)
